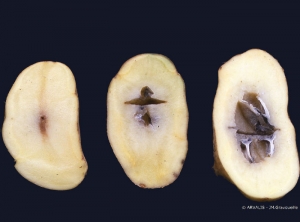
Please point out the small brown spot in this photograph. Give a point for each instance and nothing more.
(142, 185)
(43, 124)
(175, 175)
(182, 161)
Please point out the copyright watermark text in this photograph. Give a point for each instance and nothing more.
(269, 207)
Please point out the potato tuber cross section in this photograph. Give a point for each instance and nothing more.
(41, 127)
(147, 119)
(254, 139)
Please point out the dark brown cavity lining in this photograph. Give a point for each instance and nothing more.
(143, 115)
(254, 132)
(252, 99)
(145, 99)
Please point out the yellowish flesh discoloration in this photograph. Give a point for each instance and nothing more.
(47, 153)
(151, 154)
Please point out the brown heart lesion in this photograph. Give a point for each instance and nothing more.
(145, 99)
(43, 124)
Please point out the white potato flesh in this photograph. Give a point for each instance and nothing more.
(41, 129)
(255, 71)
(152, 156)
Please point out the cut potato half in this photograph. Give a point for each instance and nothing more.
(254, 139)
(41, 128)
(147, 120)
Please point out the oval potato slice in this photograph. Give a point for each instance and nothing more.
(41, 128)
(276, 171)
(147, 120)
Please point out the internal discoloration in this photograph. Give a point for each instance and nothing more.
(145, 98)
(43, 124)
(143, 115)
(254, 132)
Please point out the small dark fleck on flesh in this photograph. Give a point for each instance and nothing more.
(43, 122)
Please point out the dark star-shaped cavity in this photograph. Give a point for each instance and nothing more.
(145, 98)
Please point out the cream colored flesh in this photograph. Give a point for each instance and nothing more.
(152, 156)
(256, 71)
(41, 129)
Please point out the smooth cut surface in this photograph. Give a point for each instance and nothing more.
(41, 128)
(151, 155)
(255, 71)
